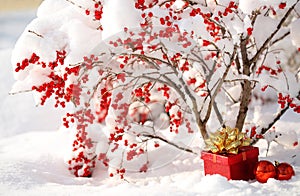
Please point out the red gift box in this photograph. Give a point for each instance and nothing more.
(232, 166)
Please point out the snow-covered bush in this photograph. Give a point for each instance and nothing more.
(147, 73)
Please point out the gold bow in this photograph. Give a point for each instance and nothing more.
(227, 140)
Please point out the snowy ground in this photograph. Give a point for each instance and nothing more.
(32, 148)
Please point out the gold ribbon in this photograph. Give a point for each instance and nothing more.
(227, 140)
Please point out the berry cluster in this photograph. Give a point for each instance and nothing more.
(176, 116)
(273, 72)
(175, 121)
(84, 158)
(232, 7)
(142, 4)
(132, 153)
(69, 118)
(26, 62)
(56, 86)
(105, 101)
(165, 89)
(253, 133)
(144, 92)
(284, 101)
(98, 11)
(213, 26)
(84, 161)
(121, 172)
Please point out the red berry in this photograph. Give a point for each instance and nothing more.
(206, 43)
(282, 5)
(249, 31)
(150, 14)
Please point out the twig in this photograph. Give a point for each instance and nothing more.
(169, 142)
(23, 91)
(278, 116)
(75, 4)
(39, 35)
(219, 115)
(230, 96)
(297, 13)
(280, 38)
(240, 79)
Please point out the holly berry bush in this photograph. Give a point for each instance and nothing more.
(145, 74)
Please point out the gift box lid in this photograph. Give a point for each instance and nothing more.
(246, 152)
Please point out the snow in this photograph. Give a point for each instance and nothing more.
(130, 17)
(33, 148)
(248, 6)
(263, 23)
(252, 5)
(295, 30)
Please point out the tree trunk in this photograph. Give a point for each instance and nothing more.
(245, 100)
(202, 127)
(246, 87)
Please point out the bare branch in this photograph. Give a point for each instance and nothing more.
(239, 79)
(218, 113)
(169, 142)
(219, 86)
(280, 38)
(277, 117)
(230, 96)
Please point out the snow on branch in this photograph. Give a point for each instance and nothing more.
(147, 75)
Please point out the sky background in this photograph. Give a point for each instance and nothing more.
(18, 4)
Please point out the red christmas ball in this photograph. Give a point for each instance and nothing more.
(264, 170)
(284, 171)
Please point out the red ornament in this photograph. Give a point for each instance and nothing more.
(284, 171)
(264, 170)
